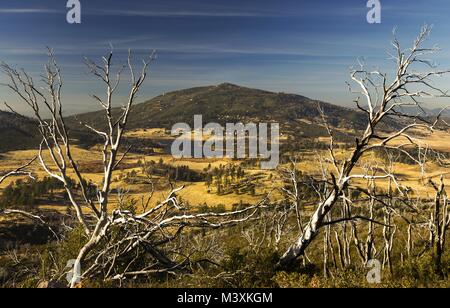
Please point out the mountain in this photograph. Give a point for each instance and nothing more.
(17, 132)
(226, 103)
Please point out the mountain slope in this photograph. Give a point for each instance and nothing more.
(225, 103)
(17, 132)
(231, 103)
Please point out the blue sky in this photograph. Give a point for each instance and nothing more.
(295, 46)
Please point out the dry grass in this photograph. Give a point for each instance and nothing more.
(196, 193)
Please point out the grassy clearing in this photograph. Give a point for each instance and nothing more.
(196, 193)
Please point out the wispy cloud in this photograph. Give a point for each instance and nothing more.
(179, 13)
(28, 11)
(142, 13)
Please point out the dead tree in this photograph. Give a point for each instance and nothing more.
(115, 237)
(439, 223)
(384, 99)
(388, 219)
(292, 195)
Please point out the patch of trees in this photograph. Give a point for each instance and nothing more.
(298, 145)
(31, 193)
(145, 146)
(306, 186)
(27, 193)
(250, 163)
(172, 173)
(230, 179)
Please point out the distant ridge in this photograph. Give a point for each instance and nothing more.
(232, 103)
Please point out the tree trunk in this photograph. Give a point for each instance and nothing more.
(311, 231)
